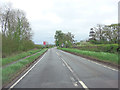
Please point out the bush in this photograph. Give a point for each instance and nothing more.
(38, 46)
(10, 46)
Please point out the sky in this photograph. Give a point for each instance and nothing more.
(75, 16)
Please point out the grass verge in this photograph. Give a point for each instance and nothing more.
(9, 73)
(8, 60)
(103, 56)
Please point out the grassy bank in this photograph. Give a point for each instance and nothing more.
(11, 59)
(9, 73)
(109, 57)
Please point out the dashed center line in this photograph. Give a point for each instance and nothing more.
(79, 81)
(75, 84)
(72, 78)
(84, 86)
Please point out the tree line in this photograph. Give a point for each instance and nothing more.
(16, 31)
(104, 34)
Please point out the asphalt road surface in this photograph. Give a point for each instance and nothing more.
(59, 69)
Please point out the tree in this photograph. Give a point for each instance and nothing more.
(113, 33)
(106, 33)
(16, 30)
(59, 37)
(62, 38)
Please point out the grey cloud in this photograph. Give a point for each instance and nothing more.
(88, 15)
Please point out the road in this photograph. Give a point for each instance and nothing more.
(59, 69)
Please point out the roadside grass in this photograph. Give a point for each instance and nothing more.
(8, 60)
(9, 73)
(109, 57)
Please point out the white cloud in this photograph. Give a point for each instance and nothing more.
(108, 22)
(52, 17)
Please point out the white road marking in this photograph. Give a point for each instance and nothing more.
(72, 78)
(26, 73)
(84, 86)
(75, 84)
(103, 65)
(67, 66)
(70, 69)
(57, 53)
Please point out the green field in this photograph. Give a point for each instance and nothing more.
(11, 59)
(9, 73)
(109, 57)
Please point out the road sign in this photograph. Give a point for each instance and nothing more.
(44, 43)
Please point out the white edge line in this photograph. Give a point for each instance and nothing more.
(26, 73)
(98, 64)
(103, 65)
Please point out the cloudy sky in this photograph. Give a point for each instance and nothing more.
(75, 16)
